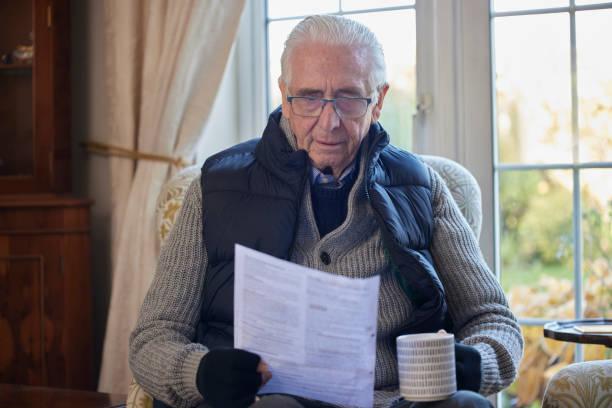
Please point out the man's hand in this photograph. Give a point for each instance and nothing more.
(467, 366)
(231, 377)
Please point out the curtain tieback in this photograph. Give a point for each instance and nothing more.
(110, 150)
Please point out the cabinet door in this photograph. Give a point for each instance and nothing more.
(34, 96)
(22, 356)
(45, 293)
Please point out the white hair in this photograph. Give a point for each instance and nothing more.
(336, 30)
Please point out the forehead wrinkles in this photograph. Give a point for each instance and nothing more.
(322, 63)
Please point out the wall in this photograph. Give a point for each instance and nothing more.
(221, 130)
(89, 110)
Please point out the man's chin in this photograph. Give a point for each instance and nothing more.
(328, 158)
(324, 164)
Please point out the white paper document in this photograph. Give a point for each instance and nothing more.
(316, 331)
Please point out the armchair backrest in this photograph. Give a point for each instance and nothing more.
(462, 185)
(170, 199)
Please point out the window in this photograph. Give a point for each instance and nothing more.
(547, 200)
(553, 165)
(393, 22)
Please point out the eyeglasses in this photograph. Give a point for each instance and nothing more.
(346, 107)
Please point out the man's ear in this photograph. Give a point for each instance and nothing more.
(377, 110)
(284, 92)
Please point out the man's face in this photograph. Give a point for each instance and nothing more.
(329, 71)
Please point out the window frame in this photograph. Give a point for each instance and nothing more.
(341, 12)
(450, 116)
(576, 166)
(456, 105)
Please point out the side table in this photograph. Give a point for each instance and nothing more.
(566, 331)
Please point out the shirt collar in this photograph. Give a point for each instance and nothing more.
(318, 177)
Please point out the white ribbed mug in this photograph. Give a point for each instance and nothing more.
(426, 366)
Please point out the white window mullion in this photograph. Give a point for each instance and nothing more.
(577, 205)
(495, 152)
(454, 91)
(576, 221)
(474, 107)
(435, 78)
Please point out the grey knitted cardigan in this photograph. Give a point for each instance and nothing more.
(164, 360)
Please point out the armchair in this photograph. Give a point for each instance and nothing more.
(463, 186)
(580, 385)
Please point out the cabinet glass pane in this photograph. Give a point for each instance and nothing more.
(514, 5)
(293, 8)
(593, 33)
(537, 242)
(396, 31)
(533, 88)
(350, 5)
(596, 195)
(16, 131)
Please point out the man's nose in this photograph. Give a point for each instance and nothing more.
(329, 119)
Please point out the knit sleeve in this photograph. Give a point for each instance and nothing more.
(162, 355)
(476, 301)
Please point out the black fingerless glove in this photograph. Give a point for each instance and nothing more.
(227, 377)
(467, 367)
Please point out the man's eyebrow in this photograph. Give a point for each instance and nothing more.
(349, 90)
(308, 92)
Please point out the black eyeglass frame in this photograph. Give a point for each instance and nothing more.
(333, 101)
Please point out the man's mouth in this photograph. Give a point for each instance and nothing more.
(328, 144)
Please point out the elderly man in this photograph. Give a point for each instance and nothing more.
(322, 188)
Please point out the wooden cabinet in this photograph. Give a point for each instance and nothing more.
(34, 96)
(45, 292)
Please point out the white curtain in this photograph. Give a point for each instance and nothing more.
(165, 61)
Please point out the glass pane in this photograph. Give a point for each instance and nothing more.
(396, 31)
(350, 5)
(537, 243)
(16, 50)
(514, 5)
(593, 33)
(533, 88)
(594, 352)
(541, 356)
(596, 195)
(284, 8)
(277, 34)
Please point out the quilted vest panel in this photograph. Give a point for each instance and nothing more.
(252, 194)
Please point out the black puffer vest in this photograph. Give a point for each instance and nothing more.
(252, 194)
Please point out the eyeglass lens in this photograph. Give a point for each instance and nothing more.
(345, 107)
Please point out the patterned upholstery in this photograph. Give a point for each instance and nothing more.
(461, 183)
(171, 198)
(464, 188)
(581, 385)
(137, 397)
